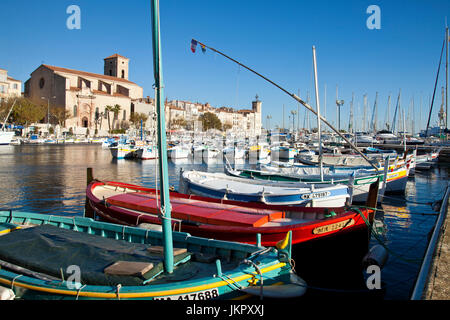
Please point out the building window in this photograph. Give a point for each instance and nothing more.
(15, 86)
(74, 110)
(41, 83)
(2, 89)
(123, 74)
(110, 72)
(124, 114)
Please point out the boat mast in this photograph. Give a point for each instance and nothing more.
(394, 120)
(374, 115)
(350, 122)
(318, 113)
(388, 111)
(447, 39)
(295, 97)
(7, 116)
(165, 209)
(365, 113)
(435, 85)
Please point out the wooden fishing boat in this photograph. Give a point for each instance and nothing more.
(222, 219)
(397, 175)
(223, 186)
(358, 181)
(122, 262)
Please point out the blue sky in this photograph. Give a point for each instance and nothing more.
(273, 37)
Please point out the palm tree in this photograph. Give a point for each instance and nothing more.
(108, 109)
(116, 110)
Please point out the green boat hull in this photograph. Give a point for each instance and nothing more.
(223, 270)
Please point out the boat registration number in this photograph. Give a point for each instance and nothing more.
(315, 195)
(333, 226)
(201, 295)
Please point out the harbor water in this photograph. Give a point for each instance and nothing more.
(51, 179)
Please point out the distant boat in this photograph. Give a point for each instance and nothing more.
(146, 152)
(222, 186)
(6, 137)
(122, 151)
(210, 152)
(178, 152)
(234, 152)
(282, 152)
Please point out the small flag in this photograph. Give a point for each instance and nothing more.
(203, 48)
(193, 45)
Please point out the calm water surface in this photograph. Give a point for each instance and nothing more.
(51, 179)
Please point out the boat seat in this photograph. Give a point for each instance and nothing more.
(188, 210)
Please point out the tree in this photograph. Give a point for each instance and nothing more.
(136, 118)
(227, 126)
(26, 112)
(210, 121)
(60, 114)
(116, 109)
(109, 109)
(179, 122)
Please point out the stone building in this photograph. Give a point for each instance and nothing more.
(85, 95)
(237, 121)
(9, 87)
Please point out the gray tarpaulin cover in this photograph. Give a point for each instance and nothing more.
(48, 249)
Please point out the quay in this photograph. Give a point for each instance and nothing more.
(433, 282)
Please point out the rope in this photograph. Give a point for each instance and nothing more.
(13, 280)
(118, 291)
(237, 287)
(261, 285)
(79, 290)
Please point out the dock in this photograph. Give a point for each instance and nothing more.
(433, 281)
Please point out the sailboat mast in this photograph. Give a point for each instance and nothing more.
(319, 132)
(394, 120)
(365, 113)
(165, 209)
(447, 39)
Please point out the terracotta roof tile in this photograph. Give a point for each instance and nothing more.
(116, 56)
(87, 74)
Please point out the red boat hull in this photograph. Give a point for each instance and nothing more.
(344, 221)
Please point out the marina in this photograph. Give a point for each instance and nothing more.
(57, 183)
(113, 191)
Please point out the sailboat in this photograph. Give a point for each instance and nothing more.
(6, 136)
(87, 259)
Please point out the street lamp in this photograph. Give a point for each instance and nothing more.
(293, 112)
(339, 104)
(268, 122)
(48, 110)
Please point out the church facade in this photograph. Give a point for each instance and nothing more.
(85, 95)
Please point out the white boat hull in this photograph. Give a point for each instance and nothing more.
(6, 137)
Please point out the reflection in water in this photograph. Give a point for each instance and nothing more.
(52, 179)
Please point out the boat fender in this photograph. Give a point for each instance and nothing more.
(284, 248)
(6, 294)
(377, 255)
(328, 214)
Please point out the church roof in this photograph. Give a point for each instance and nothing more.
(87, 74)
